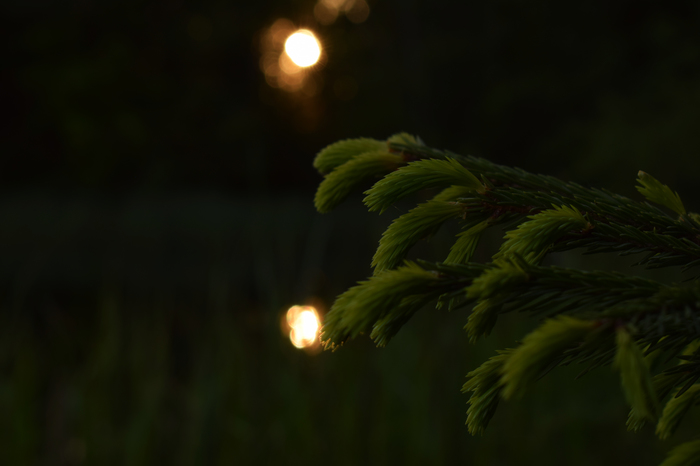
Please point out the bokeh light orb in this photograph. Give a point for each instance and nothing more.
(303, 48)
(304, 324)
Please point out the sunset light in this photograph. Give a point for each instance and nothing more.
(303, 48)
(304, 323)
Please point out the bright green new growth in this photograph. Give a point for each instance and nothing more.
(595, 318)
(635, 377)
(356, 310)
(686, 454)
(539, 349)
(340, 152)
(386, 327)
(485, 385)
(340, 182)
(674, 411)
(453, 193)
(463, 249)
(502, 276)
(482, 319)
(662, 386)
(531, 240)
(653, 190)
(408, 229)
(403, 138)
(419, 175)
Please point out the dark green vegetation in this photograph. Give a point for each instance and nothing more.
(649, 331)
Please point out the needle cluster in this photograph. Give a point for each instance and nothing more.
(591, 318)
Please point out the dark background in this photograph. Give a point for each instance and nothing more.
(156, 221)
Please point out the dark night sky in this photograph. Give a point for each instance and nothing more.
(169, 95)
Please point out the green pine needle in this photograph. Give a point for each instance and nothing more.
(532, 239)
(654, 191)
(403, 138)
(663, 384)
(685, 454)
(482, 319)
(674, 411)
(635, 377)
(340, 152)
(497, 279)
(335, 330)
(408, 229)
(356, 310)
(635, 421)
(341, 181)
(418, 175)
(463, 249)
(388, 326)
(453, 193)
(539, 349)
(694, 217)
(485, 385)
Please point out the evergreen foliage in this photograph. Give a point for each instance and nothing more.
(409, 228)
(636, 380)
(594, 318)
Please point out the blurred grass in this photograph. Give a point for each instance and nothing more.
(184, 362)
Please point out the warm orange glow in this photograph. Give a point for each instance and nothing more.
(278, 64)
(304, 324)
(327, 11)
(287, 65)
(303, 48)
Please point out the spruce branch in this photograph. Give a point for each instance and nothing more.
(635, 376)
(659, 193)
(420, 222)
(531, 240)
(483, 318)
(359, 308)
(614, 206)
(419, 175)
(341, 181)
(501, 175)
(590, 318)
(674, 411)
(685, 454)
(340, 152)
(485, 385)
(453, 193)
(463, 248)
(625, 230)
(540, 349)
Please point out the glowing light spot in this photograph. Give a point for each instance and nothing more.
(325, 14)
(327, 11)
(304, 324)
(287, 65)
(303, 48)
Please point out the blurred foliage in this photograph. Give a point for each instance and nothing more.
(146, 262)
(161, 342)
